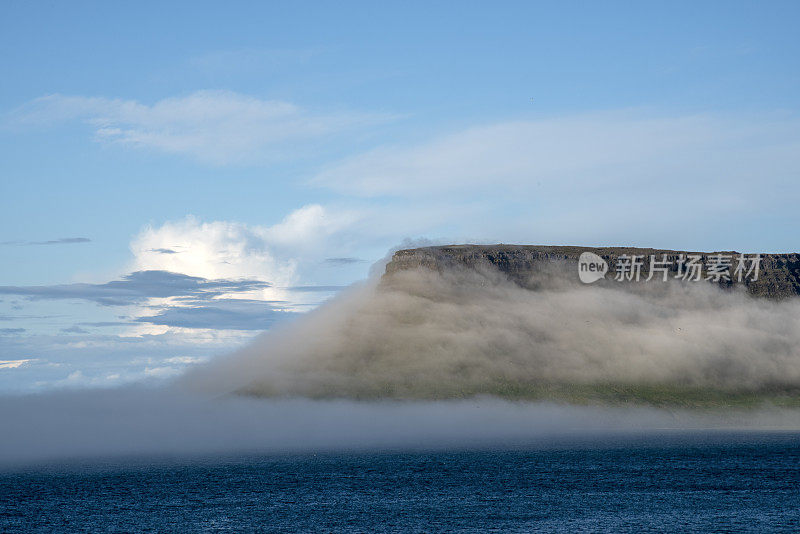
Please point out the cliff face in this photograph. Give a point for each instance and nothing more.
(778, 274)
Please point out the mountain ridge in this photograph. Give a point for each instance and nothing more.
(778, 274)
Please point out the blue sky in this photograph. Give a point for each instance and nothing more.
(154, 154)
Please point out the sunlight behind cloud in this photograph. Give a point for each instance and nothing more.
(234, 250)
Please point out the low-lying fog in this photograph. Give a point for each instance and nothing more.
(423, 361)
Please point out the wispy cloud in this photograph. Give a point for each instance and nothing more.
(105, 359)
(578, 154)
(216, 127)
(74, 329)
(343, 261)
(11, 331)
(601, 178)
(221, 314)
(13, 364)
(317, 289)
(59, 241)
(137, 287)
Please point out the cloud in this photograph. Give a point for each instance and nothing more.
(23, 317)
(11, 331)
(216, 127)
(137, 287)
(461, 333)
(161, 372)
(232, 250)
(343, 261)
(599, 153)
(317, 289)
(74, 329)
(99, 354)
(13, 364)
(309, 226)
(185, 360)
(216, 249)
(221, 314)
(621, 177)
(95, 357)
(228, 250)
(162, 422)
(60, 241)
(196, 281)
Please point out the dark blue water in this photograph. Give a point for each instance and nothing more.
(724, 483)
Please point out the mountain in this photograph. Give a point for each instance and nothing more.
(778, 275)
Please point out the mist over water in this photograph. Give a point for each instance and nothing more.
(461, 359)
(164, 423)
(428, 335)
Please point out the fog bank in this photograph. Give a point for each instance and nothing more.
(426, 360)
(139, 422)
(426, 335)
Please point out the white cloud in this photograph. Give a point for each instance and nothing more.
(280, 254)
(234, 250)
(185, 360)
(610, 178)
(161, 372)
(13, 364)
(249, 271)
(309, 227)
(216, 127)
(212, 250)
(80, 379)
(579, 154)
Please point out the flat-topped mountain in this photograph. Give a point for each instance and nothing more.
(774, 276)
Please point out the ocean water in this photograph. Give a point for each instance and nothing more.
(663, 483)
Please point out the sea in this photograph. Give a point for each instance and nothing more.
(671, 482)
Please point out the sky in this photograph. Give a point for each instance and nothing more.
(177, 178)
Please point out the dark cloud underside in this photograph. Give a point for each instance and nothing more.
(221, 314)
(59, 241)
(137, 287)
(11, 331)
